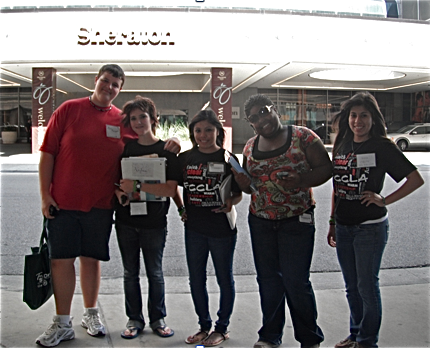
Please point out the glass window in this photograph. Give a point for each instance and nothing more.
(420, 130)
(311, 108)
(15, 108)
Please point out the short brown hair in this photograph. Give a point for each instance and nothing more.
(113, 69)
(143, 104)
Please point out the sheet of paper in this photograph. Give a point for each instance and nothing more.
(238, 168)
(138, 208)
(225, 192)
(146, 170)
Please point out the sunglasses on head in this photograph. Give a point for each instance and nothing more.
(263, 112)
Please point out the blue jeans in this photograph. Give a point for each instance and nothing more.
(198, 247)
(282, 254)
(359, 250)
(151, 242)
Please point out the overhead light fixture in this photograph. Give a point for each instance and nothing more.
(368, 74)
(63, 74)
(330, 87)
(70, 80)
(18, 76)
(408, 85)
(163, 73)
(248, 78)
(291, 77)
(4, 82)
(140, 73)
(21, 77)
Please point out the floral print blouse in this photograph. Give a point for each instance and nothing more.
(271, 201)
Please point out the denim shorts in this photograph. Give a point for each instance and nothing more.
(75, 233)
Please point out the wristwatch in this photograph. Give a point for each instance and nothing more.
(138, 184)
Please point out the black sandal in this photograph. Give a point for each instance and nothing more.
(163, 328)
(134, 331)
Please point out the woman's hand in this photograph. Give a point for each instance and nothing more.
(226, 207)
(369, 197)
(184, 216)
(126, 185)
(242, 180)
(120, 194)
(173, 145)
(291, 182)
(331, 236)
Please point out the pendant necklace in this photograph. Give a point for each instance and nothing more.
(105, 109)
(352, 145)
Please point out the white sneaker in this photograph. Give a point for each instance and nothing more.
(55, 333)
(91, 321)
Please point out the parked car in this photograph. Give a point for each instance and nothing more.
(392, 127)
(412, 136)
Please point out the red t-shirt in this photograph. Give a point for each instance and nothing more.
(87, 154)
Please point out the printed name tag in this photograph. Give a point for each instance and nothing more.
(366, 160)
(216, 168)
(113, 131)
(305, 218)
(138, 208)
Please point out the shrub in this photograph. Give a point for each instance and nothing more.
(9, 128)
(178, 130)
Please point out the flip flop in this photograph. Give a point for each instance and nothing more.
(193, 339)
(224, 336)
(135, 331)
(163, 328)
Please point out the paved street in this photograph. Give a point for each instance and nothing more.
(21, 223)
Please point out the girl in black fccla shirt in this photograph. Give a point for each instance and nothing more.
(207, 229)
(362, 155)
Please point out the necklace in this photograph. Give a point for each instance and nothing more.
(105, 109)
(352, 145)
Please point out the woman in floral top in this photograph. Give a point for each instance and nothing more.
(283, 163)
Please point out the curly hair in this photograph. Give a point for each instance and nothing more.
(143, 104)
(341, 119)
(210, 116)
(257, 99)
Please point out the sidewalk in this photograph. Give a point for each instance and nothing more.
(18, 158)
(405, 299)
(405, 302)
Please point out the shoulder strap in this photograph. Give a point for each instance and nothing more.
(44, 236)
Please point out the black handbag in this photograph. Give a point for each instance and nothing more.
(37, 274)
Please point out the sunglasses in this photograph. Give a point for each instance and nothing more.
(263, 112)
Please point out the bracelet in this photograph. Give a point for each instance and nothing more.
(383, 200)
(332, 221)
(181, 210)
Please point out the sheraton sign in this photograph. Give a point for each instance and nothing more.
(132, 38)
